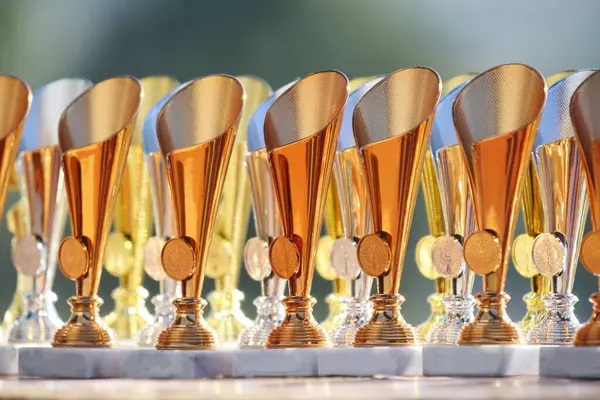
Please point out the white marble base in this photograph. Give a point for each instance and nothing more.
(365, 361)
(9, 359)
(276, 362)
(75, 363)
(489, 361)
(570, 362)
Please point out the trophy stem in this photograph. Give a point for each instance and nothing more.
(39, 320)
(336, 315)
(459, 312)
(188, 331)
(386, 327)
(270, 313)
(164, 314)
(559, 324)
(130, 313)
(438, 312)
(299, 328)
(536, 310)
(226, 316)
(84, 328)
(17, 305)
(357, 313)
(589, 333)
(492, 325)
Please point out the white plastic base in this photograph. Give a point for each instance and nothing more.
(365, 361)
(570, 362)
(489, 361)
(9, 360)
(276, 362)
(48, 362)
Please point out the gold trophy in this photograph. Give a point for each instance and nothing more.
(229, 237)
(586, 123)
(196, 131)
(94, 136)
(301, 132)
(45, 209)
(496, 117)
(392, 124)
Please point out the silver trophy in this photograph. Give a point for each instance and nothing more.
(42, 187)
(447, 253)
(555, 252)
(353, 198)
(270, 310)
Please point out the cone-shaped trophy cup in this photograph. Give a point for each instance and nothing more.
(94, 135)
(45, 208)
(392, 124)
(301, 132)
(227, 245)
(196, 131)
(555, 252)
(270, 309)
(447, 257)
(496, 117)
(164, 311)
(354, 208)
(585, 117)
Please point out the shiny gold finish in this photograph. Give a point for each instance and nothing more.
(285, 254)
(392, 124)
(496, 117)
(196, 131)
(374, 255)
(301, 132)
(94, 137)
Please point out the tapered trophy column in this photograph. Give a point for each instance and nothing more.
(301, 132)
(42, 188)
(354, 207)
(585, 104)
(447, 257)
(227, 244)
(270, 309)
(93, 137)
(496, 117)
(196, 131)
(392, 124)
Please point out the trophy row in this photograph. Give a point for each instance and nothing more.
(194, 158)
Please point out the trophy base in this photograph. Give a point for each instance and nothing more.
(589, 333)
(372, 361)
(386, 326)
(9, 360)
(336, 316)
(560, 323)
(570, 362)
(357, 313)
(188, 330)
(298, 328)
(130, 313)
(270, 313)
(492, 325)
(536, 310)
(164, 314)
(84, 328)
(438, 312)
(459, 312)
(226, 316)
(39, 321)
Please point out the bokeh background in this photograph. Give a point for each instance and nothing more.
(41, 41)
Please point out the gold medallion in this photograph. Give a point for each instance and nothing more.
(324, 267)
(73, 258)
(374, 255)
(178, 258)
(548, 254)
(590, 252)
(522, 256)
(423, 257)
(483, 252)
(118, 256)
(447, 257)
(219, 257)
(284, 257)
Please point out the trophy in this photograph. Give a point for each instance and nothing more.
(301, 131)
(196, 131)
(446, 252)
(496, 116)
(270, 310)
(43, 192)
(392, 124)
(94, 135)
(227, 244)
(352, 194)
(586, 123)
(164, 312)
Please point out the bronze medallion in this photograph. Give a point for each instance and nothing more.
(374, 255)
(590, 252)
(178, 258)
(483, 253)
(284, 257)
(73, 258)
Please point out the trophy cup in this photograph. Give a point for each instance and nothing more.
(392, 124)
(270, 309)
(164, 312)
(353, 201)
(43, 192)
(196, 131)
(496, 116)
(227, 244)
(447, 257)
(586, 123)
(94, 137)
(301, 132)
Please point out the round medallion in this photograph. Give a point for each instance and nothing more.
(522, 255)
(447, 257)
(548, 254)
(324, 267)
(344, 259)
(374, 255)
(178, 258)
(590, 252)
(284, 257)
(423, 257)
(29, 255)
(256, 259)
(73, 258)
(218, 262)
(118, 254)
(483, 252)
(152, 260)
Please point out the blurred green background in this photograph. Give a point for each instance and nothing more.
(41, 41)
